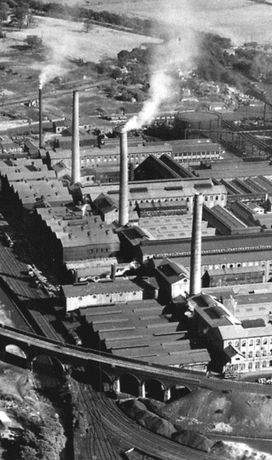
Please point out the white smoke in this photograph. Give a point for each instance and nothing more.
(50, 71)
(61, 47)
(175, 56)
(160, 91)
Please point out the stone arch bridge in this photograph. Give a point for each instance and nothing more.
(116, 373)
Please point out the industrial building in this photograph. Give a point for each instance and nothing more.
(175, 190)
(67, 233)
(238, 345)
(82, 295)
(141, 330)
(224, 251)
(229, 169)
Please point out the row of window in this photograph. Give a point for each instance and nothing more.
(235, 265)
(121, 294)
(249, 366)
(197, 154)
(110, 158)
(250, 342)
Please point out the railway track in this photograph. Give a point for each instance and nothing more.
(107, 418)
(98, 444)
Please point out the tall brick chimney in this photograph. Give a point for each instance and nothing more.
(75, 140)
(195, 272)
(40, 118)
(123, 193)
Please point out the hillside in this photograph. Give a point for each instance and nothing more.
(242, 414)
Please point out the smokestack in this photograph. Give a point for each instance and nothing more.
(40, 118)
(75, 140)
(123, 194)
(195, 275)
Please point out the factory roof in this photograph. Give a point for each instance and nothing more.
(177, 226)
(74, 227)
(90, 289)
(214, 313)
(26, 174)
(222, 215)
(264, 182)
(182, 358)
(239, 332)
(51, 191)
(228, 169)
(134, 149)
(195, 147)
(21, 163)
(92, 267)
(139, 329)
(232, 257)
(105, 203)
(210, 246)
(172, 272)
(134, 234)
(159, 189)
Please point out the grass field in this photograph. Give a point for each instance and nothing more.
(65, 42)
(240, 20)
(68, 39)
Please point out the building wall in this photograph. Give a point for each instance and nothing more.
(73, 303)
(257, 354)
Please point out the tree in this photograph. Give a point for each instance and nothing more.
(116, 73)
(87, 25)
(34, 41)
(4, 11)
(21, 13)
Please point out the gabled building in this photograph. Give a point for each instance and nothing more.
(173, 279)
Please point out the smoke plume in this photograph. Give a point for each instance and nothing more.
(61, 47)
(171, 59)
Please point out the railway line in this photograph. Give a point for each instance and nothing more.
(117, 424)
(98, 444)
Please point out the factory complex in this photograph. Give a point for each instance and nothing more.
(163, 248)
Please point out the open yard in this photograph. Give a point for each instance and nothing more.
(240, 20)
(67, 39)
(65, 42)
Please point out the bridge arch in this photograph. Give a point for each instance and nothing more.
(48, 365)
(16, 355)
(96, 376)
(154, 389)
(127, 383)
(178, 391)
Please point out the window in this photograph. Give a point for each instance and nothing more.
(237, 343)
(243, 343)
(258, 341)
(251, 342)
(264, 364)
(250, 355)
(265, 341)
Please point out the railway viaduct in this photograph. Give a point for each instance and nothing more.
(115, 373)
